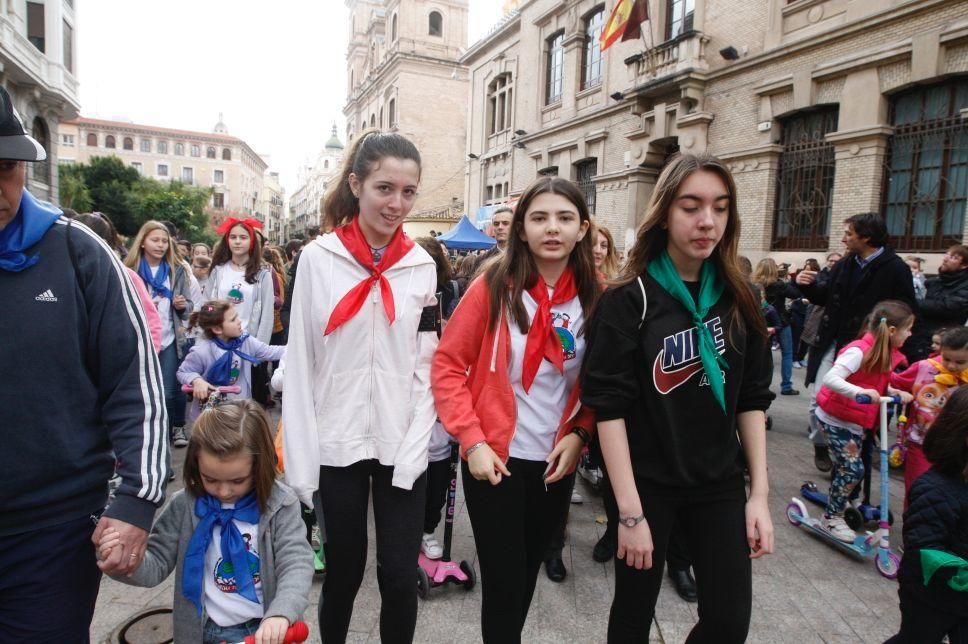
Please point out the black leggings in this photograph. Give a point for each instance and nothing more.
(712, 525)
(512, 522)
(344, 495)
(922, 623)
(438, 483)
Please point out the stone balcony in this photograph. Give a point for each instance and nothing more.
(25, 64)
(684, 53)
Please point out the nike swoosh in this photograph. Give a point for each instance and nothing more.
(666, 381)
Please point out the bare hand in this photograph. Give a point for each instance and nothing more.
(635, 545)
(759, 527)
(201, 389)
(109, 540)
(272, 630)
(126, 556)
(906, 398)
(806, 278)
(873, 394)
(179, 302)
(484, 464)
(566, 453)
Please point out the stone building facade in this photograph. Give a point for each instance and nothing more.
(821, 109)
(404, 76)
(38, 67)
(306, 203)
(216, 159)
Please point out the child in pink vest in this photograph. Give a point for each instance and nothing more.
(862, 367)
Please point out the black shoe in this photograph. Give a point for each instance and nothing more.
(685, 584)
(821, 458)
(555, 569)
(790, 392)
(604, 550)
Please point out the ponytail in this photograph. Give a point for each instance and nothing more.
(886, 314)
(369, 148)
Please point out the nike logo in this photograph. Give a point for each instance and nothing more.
(666, 381)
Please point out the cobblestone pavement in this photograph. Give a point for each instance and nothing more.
(806, 592)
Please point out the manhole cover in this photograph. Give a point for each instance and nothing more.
(150, 627)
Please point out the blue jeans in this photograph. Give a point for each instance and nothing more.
(786, 358)
(174, 398)
(212, 633)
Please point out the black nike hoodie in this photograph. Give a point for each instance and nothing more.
(651, 376)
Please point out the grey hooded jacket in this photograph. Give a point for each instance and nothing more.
(286, 559)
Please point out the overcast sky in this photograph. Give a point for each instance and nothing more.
(276, 70)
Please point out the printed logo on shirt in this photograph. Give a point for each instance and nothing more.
(235, 294)
(225, 572)
(679, 359)
(561, 322)
(46, 296)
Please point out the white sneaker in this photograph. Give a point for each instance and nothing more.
(577, 498)
(837, 527)
(431, 547)
(178, 437)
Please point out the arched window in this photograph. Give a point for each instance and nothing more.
(128, 143)
(554, 67)
(109, 141)
(210, 152)
(180, 149)
(226, 154)
(499, 93)
(325, 164)
(435, 24)
(591, 53)
(162, 147)
(393, 28)
(392, 113)
(381, 117)
(372, 120)
(41, 134)
(92, 139)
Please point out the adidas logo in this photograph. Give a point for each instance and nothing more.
(46, 296)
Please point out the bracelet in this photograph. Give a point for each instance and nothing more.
(582, 434)
(470, 450)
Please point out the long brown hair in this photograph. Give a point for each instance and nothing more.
(610, 267)
(223, 253)
(766, 273)
(209, 315)
(516, 268)
(369, 148)
(651, 238)
(885, 314)
(133, 260)
(228, 430)
(444, 272)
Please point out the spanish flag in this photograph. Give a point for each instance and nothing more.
(625, 22)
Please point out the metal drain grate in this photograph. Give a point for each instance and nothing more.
(153, 626)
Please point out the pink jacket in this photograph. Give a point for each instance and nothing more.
(848, 409)
(154, 321)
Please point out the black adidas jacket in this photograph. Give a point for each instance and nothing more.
(652, 378)
(80, 378)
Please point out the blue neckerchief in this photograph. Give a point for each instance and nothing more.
(220, 373)
(211, 513)
(32, 221)
(159, 281)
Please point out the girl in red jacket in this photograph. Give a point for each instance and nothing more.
(505, 384)
(862, 367)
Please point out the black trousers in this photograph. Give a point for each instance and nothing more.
(712, 524)
(48, 583)
(344, 495)
(512, 522)
(922, 623)
(438, 483)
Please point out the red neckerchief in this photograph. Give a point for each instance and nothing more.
(354, 241)
(543, 341)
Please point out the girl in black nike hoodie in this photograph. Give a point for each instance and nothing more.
(678, 360)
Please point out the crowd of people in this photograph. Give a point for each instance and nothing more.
(545, 352)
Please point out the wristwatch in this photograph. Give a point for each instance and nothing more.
(631, 522)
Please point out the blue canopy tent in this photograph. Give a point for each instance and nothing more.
(464, 236)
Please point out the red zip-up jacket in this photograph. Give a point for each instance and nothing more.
(471, 385)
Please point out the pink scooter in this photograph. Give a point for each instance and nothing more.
(437, 572)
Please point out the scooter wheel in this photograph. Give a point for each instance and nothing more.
(468, 569)
(853, 518)
(423, 583)
(887, 566)
(795, 512)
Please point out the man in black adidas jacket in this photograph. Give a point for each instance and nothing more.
(869, 273)
(80, 389)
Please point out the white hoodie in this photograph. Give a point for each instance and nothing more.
(363, 391)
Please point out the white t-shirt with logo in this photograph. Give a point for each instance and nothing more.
(233, 287)
(539, 410)
(220, 596)
(163, 304)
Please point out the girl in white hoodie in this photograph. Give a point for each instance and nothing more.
(358, 410)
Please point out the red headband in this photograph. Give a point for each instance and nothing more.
(249, 224)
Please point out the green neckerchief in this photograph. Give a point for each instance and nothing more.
(664, 272)
(933, 560)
